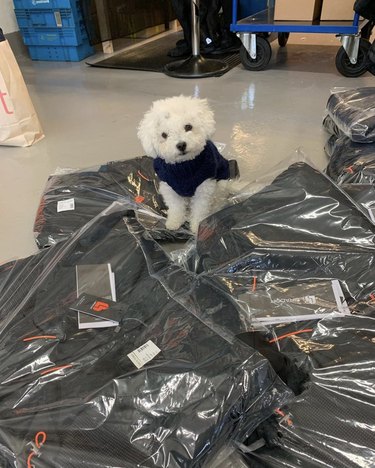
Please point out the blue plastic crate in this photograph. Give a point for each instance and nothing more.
(54, 36)
(61, 54)
(43, 4)
(63, 18)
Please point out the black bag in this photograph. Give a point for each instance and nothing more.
(365, 8)
(371, 56)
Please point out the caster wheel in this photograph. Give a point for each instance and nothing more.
(346, 68)
(283, 39)
(264, 53)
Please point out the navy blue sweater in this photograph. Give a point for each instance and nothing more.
(186, 176)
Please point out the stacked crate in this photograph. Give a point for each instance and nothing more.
(53, 29)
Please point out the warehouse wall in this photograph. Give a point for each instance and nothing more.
(7, 19)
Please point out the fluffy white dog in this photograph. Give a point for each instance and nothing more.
(176, 132)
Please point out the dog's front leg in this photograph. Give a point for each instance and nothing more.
(176, 207)
(201, 203)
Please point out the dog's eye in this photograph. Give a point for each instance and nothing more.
(188, 128)
(164, 135)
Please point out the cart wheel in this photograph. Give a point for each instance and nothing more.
(346, 68)
(283, 39)
(264, 53)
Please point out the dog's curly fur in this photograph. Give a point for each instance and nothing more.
(177, 129)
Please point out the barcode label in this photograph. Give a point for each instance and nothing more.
(65, 205)
(372, 214)
(144, 354)
(342, 305)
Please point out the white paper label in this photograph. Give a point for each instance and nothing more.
(144, 354)
(342, 305)
(372, 214)
(296, 300)
(65, 205)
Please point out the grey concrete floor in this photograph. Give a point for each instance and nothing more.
(90, 116)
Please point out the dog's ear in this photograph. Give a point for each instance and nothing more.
(206, 116)
(146, 129)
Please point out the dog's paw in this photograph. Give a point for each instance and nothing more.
(194, 226)
(173, 224)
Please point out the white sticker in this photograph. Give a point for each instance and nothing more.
(372, 214)
(296, 300)
(342, 305)
(66, 205)
(144, 354)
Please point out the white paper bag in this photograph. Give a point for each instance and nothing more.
(19, 124)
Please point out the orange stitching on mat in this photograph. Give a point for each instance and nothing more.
(307, 330)
(143, 177)
(55, 369)
(38, 445)
(40, 337)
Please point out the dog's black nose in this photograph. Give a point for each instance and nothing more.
(181, 146)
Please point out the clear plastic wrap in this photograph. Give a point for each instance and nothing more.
(371, 56)
(350, 163)
(329, 363)
(331, 128)
(161, 389)
(300, 226)
(72, 198)
(364, 195)
(331, 423)
(353, 112)
(213, 304)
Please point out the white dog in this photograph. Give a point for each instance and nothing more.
(176, 132)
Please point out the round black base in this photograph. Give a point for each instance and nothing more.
(196, 67)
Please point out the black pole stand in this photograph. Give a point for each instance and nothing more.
(196, 66)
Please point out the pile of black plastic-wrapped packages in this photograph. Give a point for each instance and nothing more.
(255, 349)
(350, 121)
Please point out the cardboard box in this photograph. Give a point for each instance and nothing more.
(337, 10)
(297, 10)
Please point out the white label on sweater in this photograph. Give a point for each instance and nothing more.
(144, 354)
(66, 205)
(342, 305)
(372, 214)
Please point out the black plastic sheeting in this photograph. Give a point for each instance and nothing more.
(73, 398)
(330, 424)
(300, 222)
(327, 362)
(353, 112)
(351, 164)
(255, 353)
(95, 189)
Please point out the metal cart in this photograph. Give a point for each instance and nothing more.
(257, 31)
